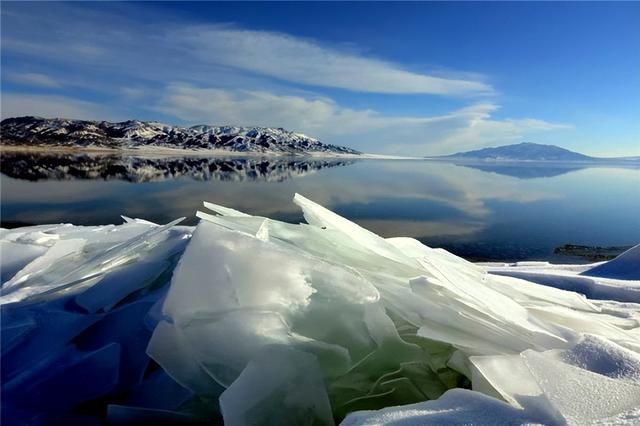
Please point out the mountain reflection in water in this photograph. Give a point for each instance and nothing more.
(525, 171)
(38, 166)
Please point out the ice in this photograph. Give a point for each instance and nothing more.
(62, 252)
(618, 279)
(592, 381)
(15, 256)
(307, 323)
(74, 316)
(159, 391)
(456, 407)
(278, 380)
(330, 311)
(601, 356)
(133, 416)
(107, 292)
(382, 316)
(122, 325)
(68, 265)
(16, 333)
(626, 266)
(72, 378)
(54, 328)
(581, 396)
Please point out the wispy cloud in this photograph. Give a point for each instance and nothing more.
(187, 50)
(35, 79)
(306, 61)
(16, 105)
(475, 127)
(260, 108)
(132, 92)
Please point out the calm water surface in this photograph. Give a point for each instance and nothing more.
(477, 211)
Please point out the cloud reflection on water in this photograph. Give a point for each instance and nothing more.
(434, 201)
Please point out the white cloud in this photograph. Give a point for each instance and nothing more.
(475, 127)
(35, 79)
(16, 105)
(122, 41)
(260, 108)
(132, 92)
(305, 61)
(465, 128)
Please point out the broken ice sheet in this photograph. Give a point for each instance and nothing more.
(245, 283)
(227, 301)
(68, 265)
(359, 321)
(278, 380)
(73, 312)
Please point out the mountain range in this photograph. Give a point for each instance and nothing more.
(38, 132)
(133, 134)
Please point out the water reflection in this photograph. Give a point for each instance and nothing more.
(481, 214)
(36, 167)
(526, 171)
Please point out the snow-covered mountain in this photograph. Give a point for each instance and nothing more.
(44, 166)
(525, 151)
(37, 131)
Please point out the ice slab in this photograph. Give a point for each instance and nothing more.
(133, 416)
(590, 382)
(625, 266)
(278, 380)
(617, 279)
(15, 256)
(74, 319)
(68, 265)
(382, 317)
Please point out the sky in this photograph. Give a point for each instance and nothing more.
(416, 78)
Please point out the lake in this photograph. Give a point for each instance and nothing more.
(479, 211)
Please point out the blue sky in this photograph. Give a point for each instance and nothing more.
(402, 78)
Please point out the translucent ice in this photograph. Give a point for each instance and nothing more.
(74, 308)
(71, 263)
(382, 317)
(278, 380)
(266, 322)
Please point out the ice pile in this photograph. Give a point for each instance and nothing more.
(266, 322)
(79, 305)
(618, 279)
(325, 318)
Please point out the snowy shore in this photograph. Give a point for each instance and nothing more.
(256, 321)
(159, 152)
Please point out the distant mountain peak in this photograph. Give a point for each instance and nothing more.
(523, 151)
(62, 132)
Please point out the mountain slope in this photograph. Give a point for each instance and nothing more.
(525, 151)
(36, 131)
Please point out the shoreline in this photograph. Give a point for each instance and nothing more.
(173, 152)
(511, 162)
(168, 152)
(476, 258)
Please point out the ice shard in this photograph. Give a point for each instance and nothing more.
(389, 321)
